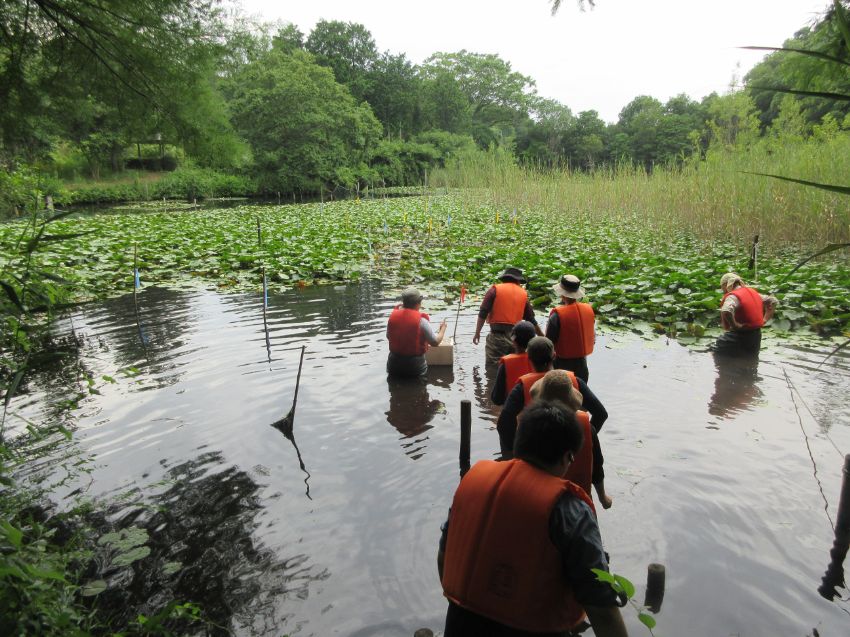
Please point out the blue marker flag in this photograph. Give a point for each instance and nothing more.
(386, 227)
(136, 281)
(449, 220)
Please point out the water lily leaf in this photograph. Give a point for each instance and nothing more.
(124, 539)
(95, 587)
(133, 555)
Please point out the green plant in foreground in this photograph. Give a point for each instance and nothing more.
(624, 587)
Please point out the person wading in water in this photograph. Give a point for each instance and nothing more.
(571, 327)
(517, 550)
(410, 334)
(743, 312)
(504, 305)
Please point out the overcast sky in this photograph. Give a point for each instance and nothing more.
(597, 59)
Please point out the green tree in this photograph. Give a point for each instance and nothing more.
(348, 49)
(305, 129)
(395, 93)
(498, 97)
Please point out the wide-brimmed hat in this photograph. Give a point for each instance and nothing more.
(512, 274)
(522, 332)
(728, 280)
(569, 286)
(411, 296)
(557, 385)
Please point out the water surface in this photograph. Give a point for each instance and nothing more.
(334, 531)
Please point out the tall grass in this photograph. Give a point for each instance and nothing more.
(713, 198)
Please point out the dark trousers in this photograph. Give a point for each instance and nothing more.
(577, 366)
(738, 343)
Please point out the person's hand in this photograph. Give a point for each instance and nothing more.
(443, 324)
(476, 338)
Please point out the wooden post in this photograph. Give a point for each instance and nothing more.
(834, 575)
(655, 575)
(465, 435)
(259, 233)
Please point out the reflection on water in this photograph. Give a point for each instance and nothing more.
(202, 528)
(734, 513)
(411, 407)
(736, 386)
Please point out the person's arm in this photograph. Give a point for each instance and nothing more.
(727, 313)
(441, 548)
(507, 422)
(483, 311)
(528, 315)
(769, 302)
(607, 621)
(477, 337)
(500, 391)
(592, 405)
(428, 331)
(553, 327)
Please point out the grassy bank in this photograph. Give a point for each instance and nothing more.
(714, 199)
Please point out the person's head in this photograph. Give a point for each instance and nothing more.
(521, 333)
(411, 298)
(541, 353)
(548, 436)
(730, 281)
(512, 275)
(557, 385)
(569, 288)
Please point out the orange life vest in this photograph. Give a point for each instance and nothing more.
(750, 310)
(500, 561)
(405, 333)
(509, 304)
(515, 366)
(575, 334)
(529, 379)
(581, 470)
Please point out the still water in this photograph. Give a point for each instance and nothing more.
(335, 531)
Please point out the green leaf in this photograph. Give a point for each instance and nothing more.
(133, 555)
(95, 587)
(647, 620)
(13, 295)
(13, 534)
(628, 587)
(815, 54)
(839, 97)
(603, 576)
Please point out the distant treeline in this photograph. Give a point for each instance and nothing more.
(85, 91)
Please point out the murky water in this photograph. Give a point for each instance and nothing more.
(334, 532)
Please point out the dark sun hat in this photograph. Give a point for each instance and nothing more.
(512, 274)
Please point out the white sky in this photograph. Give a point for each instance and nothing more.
(599, 59)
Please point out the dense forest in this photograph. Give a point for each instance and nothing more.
(91, 90)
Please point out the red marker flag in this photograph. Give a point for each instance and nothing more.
(462, 293)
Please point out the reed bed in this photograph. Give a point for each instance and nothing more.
(713, 198)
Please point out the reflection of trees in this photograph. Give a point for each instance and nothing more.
(482, 387)
(736, 385)
(145, 333)
(411, 409)
(205, 521)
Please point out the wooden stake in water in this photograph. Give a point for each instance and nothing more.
(465, 435)
(265, 292)
(287, 423)
(754, 253)
(259, 233)
(459, 303)
(655, 576)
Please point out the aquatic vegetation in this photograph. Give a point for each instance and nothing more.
(631, 271)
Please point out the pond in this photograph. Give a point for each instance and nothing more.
(715, 472)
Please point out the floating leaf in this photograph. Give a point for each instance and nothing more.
(95, 587)
(128, 557)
